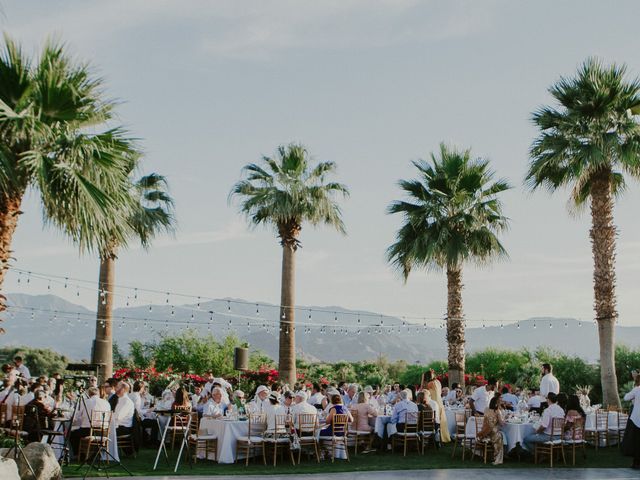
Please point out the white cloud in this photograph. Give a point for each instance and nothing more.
(235, 230)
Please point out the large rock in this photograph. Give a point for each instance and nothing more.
(8, 469)
(43, 461)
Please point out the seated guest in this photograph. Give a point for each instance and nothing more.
(124, 411)
(316, 396)
(181, 401)
(271, 410)
(481, 397)
(574, 411)
(562, 399)
(215, 407)
(444, 393)
(301, 406)
(351, 397)
(365, 413)
(36, 416)
(509, 400)
(82, 420)
(452, 396)
(239, 401)
(401, 408)
(197, 392)
(336, 408)
(491, 429)
(546, 424)
(287, 403)
(260, 401)
(535, 402)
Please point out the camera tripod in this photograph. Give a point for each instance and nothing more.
(17, 447)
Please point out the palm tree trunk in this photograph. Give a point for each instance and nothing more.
(603, 244)
(455, 326)
(287, 346)
(103, 344)
(9, 213)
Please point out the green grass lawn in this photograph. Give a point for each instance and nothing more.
(142, 465)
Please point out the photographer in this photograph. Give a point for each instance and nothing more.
(21, 367)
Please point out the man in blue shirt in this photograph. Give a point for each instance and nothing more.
(509, 399)
(400, 410)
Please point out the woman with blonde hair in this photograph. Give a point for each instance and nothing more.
(434, 387)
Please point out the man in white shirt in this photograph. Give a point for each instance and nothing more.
(124, 410)
(546, 423)
(301, 407)
(535, 401)
(216, 406)
(21, 367)
(316, 395)
(82, 419)
(479, 400)
(549, 383)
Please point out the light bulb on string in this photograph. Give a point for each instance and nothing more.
(173, 310)
(167, 299)
(283, 315)
(534, 324)
(77, 291)
(228, 306)
(198, 303)
(257, 310)
(309, 314)
(66, 281)
(150, 309)
(49, 285)
(550, 325)
(566, 325)
(28, 278)
(518, 325)
(127, 302)
(135, 293)
(19, 277)
(502, 326)
(580, 323)
(358, 319)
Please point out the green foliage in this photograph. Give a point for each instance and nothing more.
(40, 361)
(287, 191)
(452, 215)
(591, 132)
(627, 360)
(505, 364)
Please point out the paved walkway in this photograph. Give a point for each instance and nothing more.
(451, 474)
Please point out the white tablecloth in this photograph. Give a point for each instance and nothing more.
(381, 425)
(513, 433)
(227, 432)
(451, 420)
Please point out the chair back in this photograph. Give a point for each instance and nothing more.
(307, 424)
(461, 422)
(194, 425)
(602, 419)
(557, 427)
(257, 424)
(622, 417)
(411, 422)
(182, 408)
(3, 413)
(427, 421)
(354, 414)
(576, 430)
(17, 416)
(340, 425)
(180, 419)
(281, 424)
(100, 424)
(479, 424)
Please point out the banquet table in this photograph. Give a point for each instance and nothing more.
(513, 433)
(450, 414)
(381, 425)
(227, 432)
(590, 423)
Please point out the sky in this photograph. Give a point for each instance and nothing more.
(209, 86)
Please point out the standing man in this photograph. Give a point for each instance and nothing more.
(481, 397)
(549, 383)
(21, 368)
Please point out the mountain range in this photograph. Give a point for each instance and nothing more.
(322, 334)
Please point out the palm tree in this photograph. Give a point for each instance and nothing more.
(453, 215)
(589, 142)
(287, 193)
(151, 214)
(50, 114)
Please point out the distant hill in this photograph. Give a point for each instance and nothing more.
(71, 334)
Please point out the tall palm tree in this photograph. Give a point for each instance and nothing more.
(589, 142)
(287, 193)
(51, 110)
(453, 215)
(151, 215)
